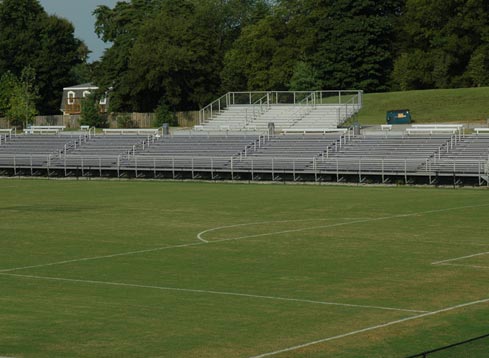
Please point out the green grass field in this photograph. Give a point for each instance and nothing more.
(429, 106)
(116, 269)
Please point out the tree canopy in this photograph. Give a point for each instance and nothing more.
(29, 37)
(180, 54)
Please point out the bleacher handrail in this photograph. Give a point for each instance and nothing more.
(249, 98)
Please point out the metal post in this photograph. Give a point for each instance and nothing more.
(383, 178)
(315, 167)
(273, 170)
(360, 170)
(293, 169)
(252, 170)
(212, 168)
(337, 171)
(405, 171)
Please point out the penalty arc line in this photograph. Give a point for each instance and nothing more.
(372, 328)
(202, 233)
(211, 292)
(242, 237)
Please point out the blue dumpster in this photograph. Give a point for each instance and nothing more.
(398, 116)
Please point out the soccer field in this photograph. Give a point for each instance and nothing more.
(166, 269)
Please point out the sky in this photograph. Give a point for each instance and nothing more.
(79, 13)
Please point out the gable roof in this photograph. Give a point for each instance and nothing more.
(84, 86)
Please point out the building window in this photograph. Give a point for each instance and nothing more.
(71, 97)
(103, 99)
(86, 93)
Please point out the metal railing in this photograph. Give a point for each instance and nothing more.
(316, 166)
(351, 99)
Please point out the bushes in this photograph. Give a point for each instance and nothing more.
(90, 113)
(164, 114)
(125, 121)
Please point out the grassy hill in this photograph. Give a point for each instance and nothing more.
(430, 106)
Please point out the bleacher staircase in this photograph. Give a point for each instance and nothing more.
(253, 111)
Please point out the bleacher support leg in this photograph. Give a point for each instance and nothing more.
(293, 169)
(273, 170)
(252, 171)
(315, 167)
(405, 172)
(383, 176)
(360, 171)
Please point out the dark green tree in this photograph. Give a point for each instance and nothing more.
(90, 112)
(31, 38)
(18, 96)
(169, 51)
(304, 78)
(265, 55)
(449, 36)
(354, 44)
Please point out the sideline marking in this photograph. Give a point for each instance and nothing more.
(462, 265)
(459, 258)
(383, 325)
(222, 293)
(102, 257)
(245, 237)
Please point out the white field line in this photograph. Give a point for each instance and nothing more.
(349, 223)
(102, 257)
(211, 292)
(138, 251)
(372, 328)
(202, 233)
(244, 237)
(459, 258)
(462, 265)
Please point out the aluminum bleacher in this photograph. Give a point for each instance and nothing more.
(238, 111)
(418, 157)
(470, 155)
